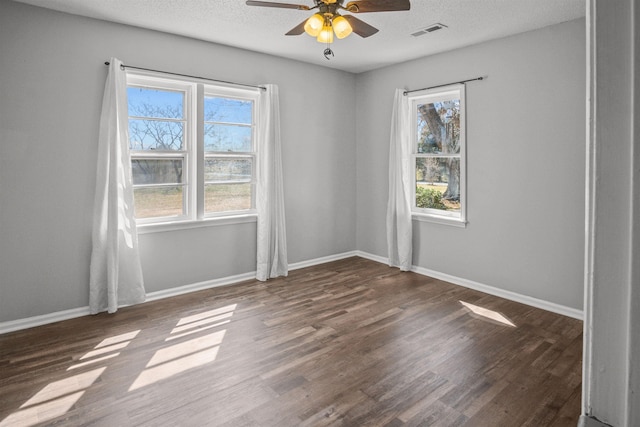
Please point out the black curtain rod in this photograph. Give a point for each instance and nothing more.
(123, 66)
(447, 84)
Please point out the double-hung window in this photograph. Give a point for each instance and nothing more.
(438, 161)
(192, 148)
(229, 155)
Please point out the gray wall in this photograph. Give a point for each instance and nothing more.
(525, 164)
(525, 230)
(51, 82)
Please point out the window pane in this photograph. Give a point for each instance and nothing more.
(439, 127)
(438, 183)
(227, 110)
(227, 138)
(223, 169)
(156, 135)
(158, 201)
(162, 104)
(154, 171)
(227, 197)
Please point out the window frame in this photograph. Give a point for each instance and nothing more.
(449, 92)
(186, 154)
(232, 93)
(193, 153)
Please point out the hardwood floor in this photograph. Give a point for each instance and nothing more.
(351, 343)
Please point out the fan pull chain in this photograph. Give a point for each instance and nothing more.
(328, 50)
(328, 53)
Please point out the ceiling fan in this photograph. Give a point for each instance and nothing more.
(327, 20)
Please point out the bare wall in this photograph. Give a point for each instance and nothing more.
(525, 164)
(51, 82)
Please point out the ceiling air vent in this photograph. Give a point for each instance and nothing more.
(429, 29)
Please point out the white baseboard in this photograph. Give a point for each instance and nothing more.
(44, 319)
(372, 257)
(512, 296)
(207, 284)
(322, 260)
(586, 421)
(30, 322)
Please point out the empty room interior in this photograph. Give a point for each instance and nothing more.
(428, 219)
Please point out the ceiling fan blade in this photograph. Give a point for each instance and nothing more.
(360, 27)
(280, 5)
(297, 30)
(363, 6)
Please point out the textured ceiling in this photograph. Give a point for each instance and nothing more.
(233, 23)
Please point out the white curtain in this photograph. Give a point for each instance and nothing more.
(115, 274)
(272, 239)
(399, 228)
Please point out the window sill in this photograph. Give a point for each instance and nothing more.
(454, 222)
(185, 225)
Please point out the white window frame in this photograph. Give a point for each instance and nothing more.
(188, 166)
(455, 91)
(193, 174)
(240, 94)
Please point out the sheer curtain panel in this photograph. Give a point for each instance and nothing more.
(399, 228)
(115, 274)
(272, 238)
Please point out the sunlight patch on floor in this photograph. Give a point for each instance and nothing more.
(166, 370)
(488, 314)
(200, 326)
(106, 349)
(186, 348)
(227, 309)
(93, 361)
(126, 337)
(202, 321)
(58, 397)
(177, 358)
(54, 400)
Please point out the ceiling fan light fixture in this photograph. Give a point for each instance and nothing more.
(326, 35)
(341, 27)
(327, 22)
(314, 25)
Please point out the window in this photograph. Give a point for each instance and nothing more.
(438, 162)
(229, 154)
(192, 149)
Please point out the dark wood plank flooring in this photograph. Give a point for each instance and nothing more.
(351, 343)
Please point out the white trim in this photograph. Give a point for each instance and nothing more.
(44, 319)
(590, 208)
(372, 257)
(206, 222)
(199, 286)
(453, 91)
(322, 260)
(30, 322)
(512, 296)
(586, 421)
(193, 152)
(439, 219)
